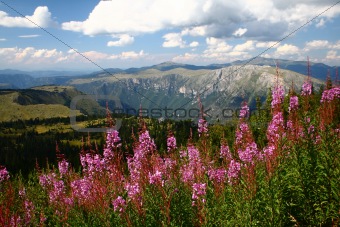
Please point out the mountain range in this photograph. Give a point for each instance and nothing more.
(171, 90)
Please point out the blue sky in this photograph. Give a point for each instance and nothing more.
(129, 33)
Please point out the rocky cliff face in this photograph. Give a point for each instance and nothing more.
(180, 88)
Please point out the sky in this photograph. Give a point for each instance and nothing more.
(94, 34)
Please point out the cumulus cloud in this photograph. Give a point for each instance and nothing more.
(332, 55)
(217, 51)
(287, 49)
(336, 45)
(211, 18)
(195, 31)
(41, 17)
(173, 40)
(267, 44)
(194, 44)
(131, 55)
(247, 46)
(316, 44)
(123, 41)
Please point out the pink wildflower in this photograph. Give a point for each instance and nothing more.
(171, 143)
(3, 174)
(63, 167)
(275, 127)
(81, 189)
(277, 96)
(132, 189)
(119, 204)
(244, 112)
(306, 88)
(233, 171)
(217, 175)
(198, 191)
(331, 94)
(112, 143)
(146, 143)
(249, 153)
(202, 126)
(293, 103)
(155, 178)
(225, 152)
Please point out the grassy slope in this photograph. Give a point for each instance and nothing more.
(10, 110)
(39, 102)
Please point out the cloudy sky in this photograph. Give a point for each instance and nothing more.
(80, 34)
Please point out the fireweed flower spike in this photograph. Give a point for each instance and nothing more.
(330, 95)
(275, 130)
(198, 193)
(3, 174)
(277, 96)
(112, 143)
(171, 142)
(233, 171)
(293, 103)
(225, 152)
(244, 143)
(307, 88)
(202, 126)
(119, 204)
(63, 166)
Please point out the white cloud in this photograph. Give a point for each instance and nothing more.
(267, 44)
(194, 44)
(187, 57)
(287, 49)
(41, 17)
(336, 45)
(217, 48)
(195, 31)
(217, 51)
(71, 51)
(173, 40)
(94, 55)
(123, 41)
(211, 18)
(75, 26)
(316, 44)
(44, 53)
(132, 55)
(332, 55)
(3, 39)
(240, 32)
(32, 57)
(247, 46)
(28, 36)
(321, 23)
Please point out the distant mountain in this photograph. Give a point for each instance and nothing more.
(317, 70)
(42, 73)
(165, 66)
(21, 79)
(178, 88)
(17, 80)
